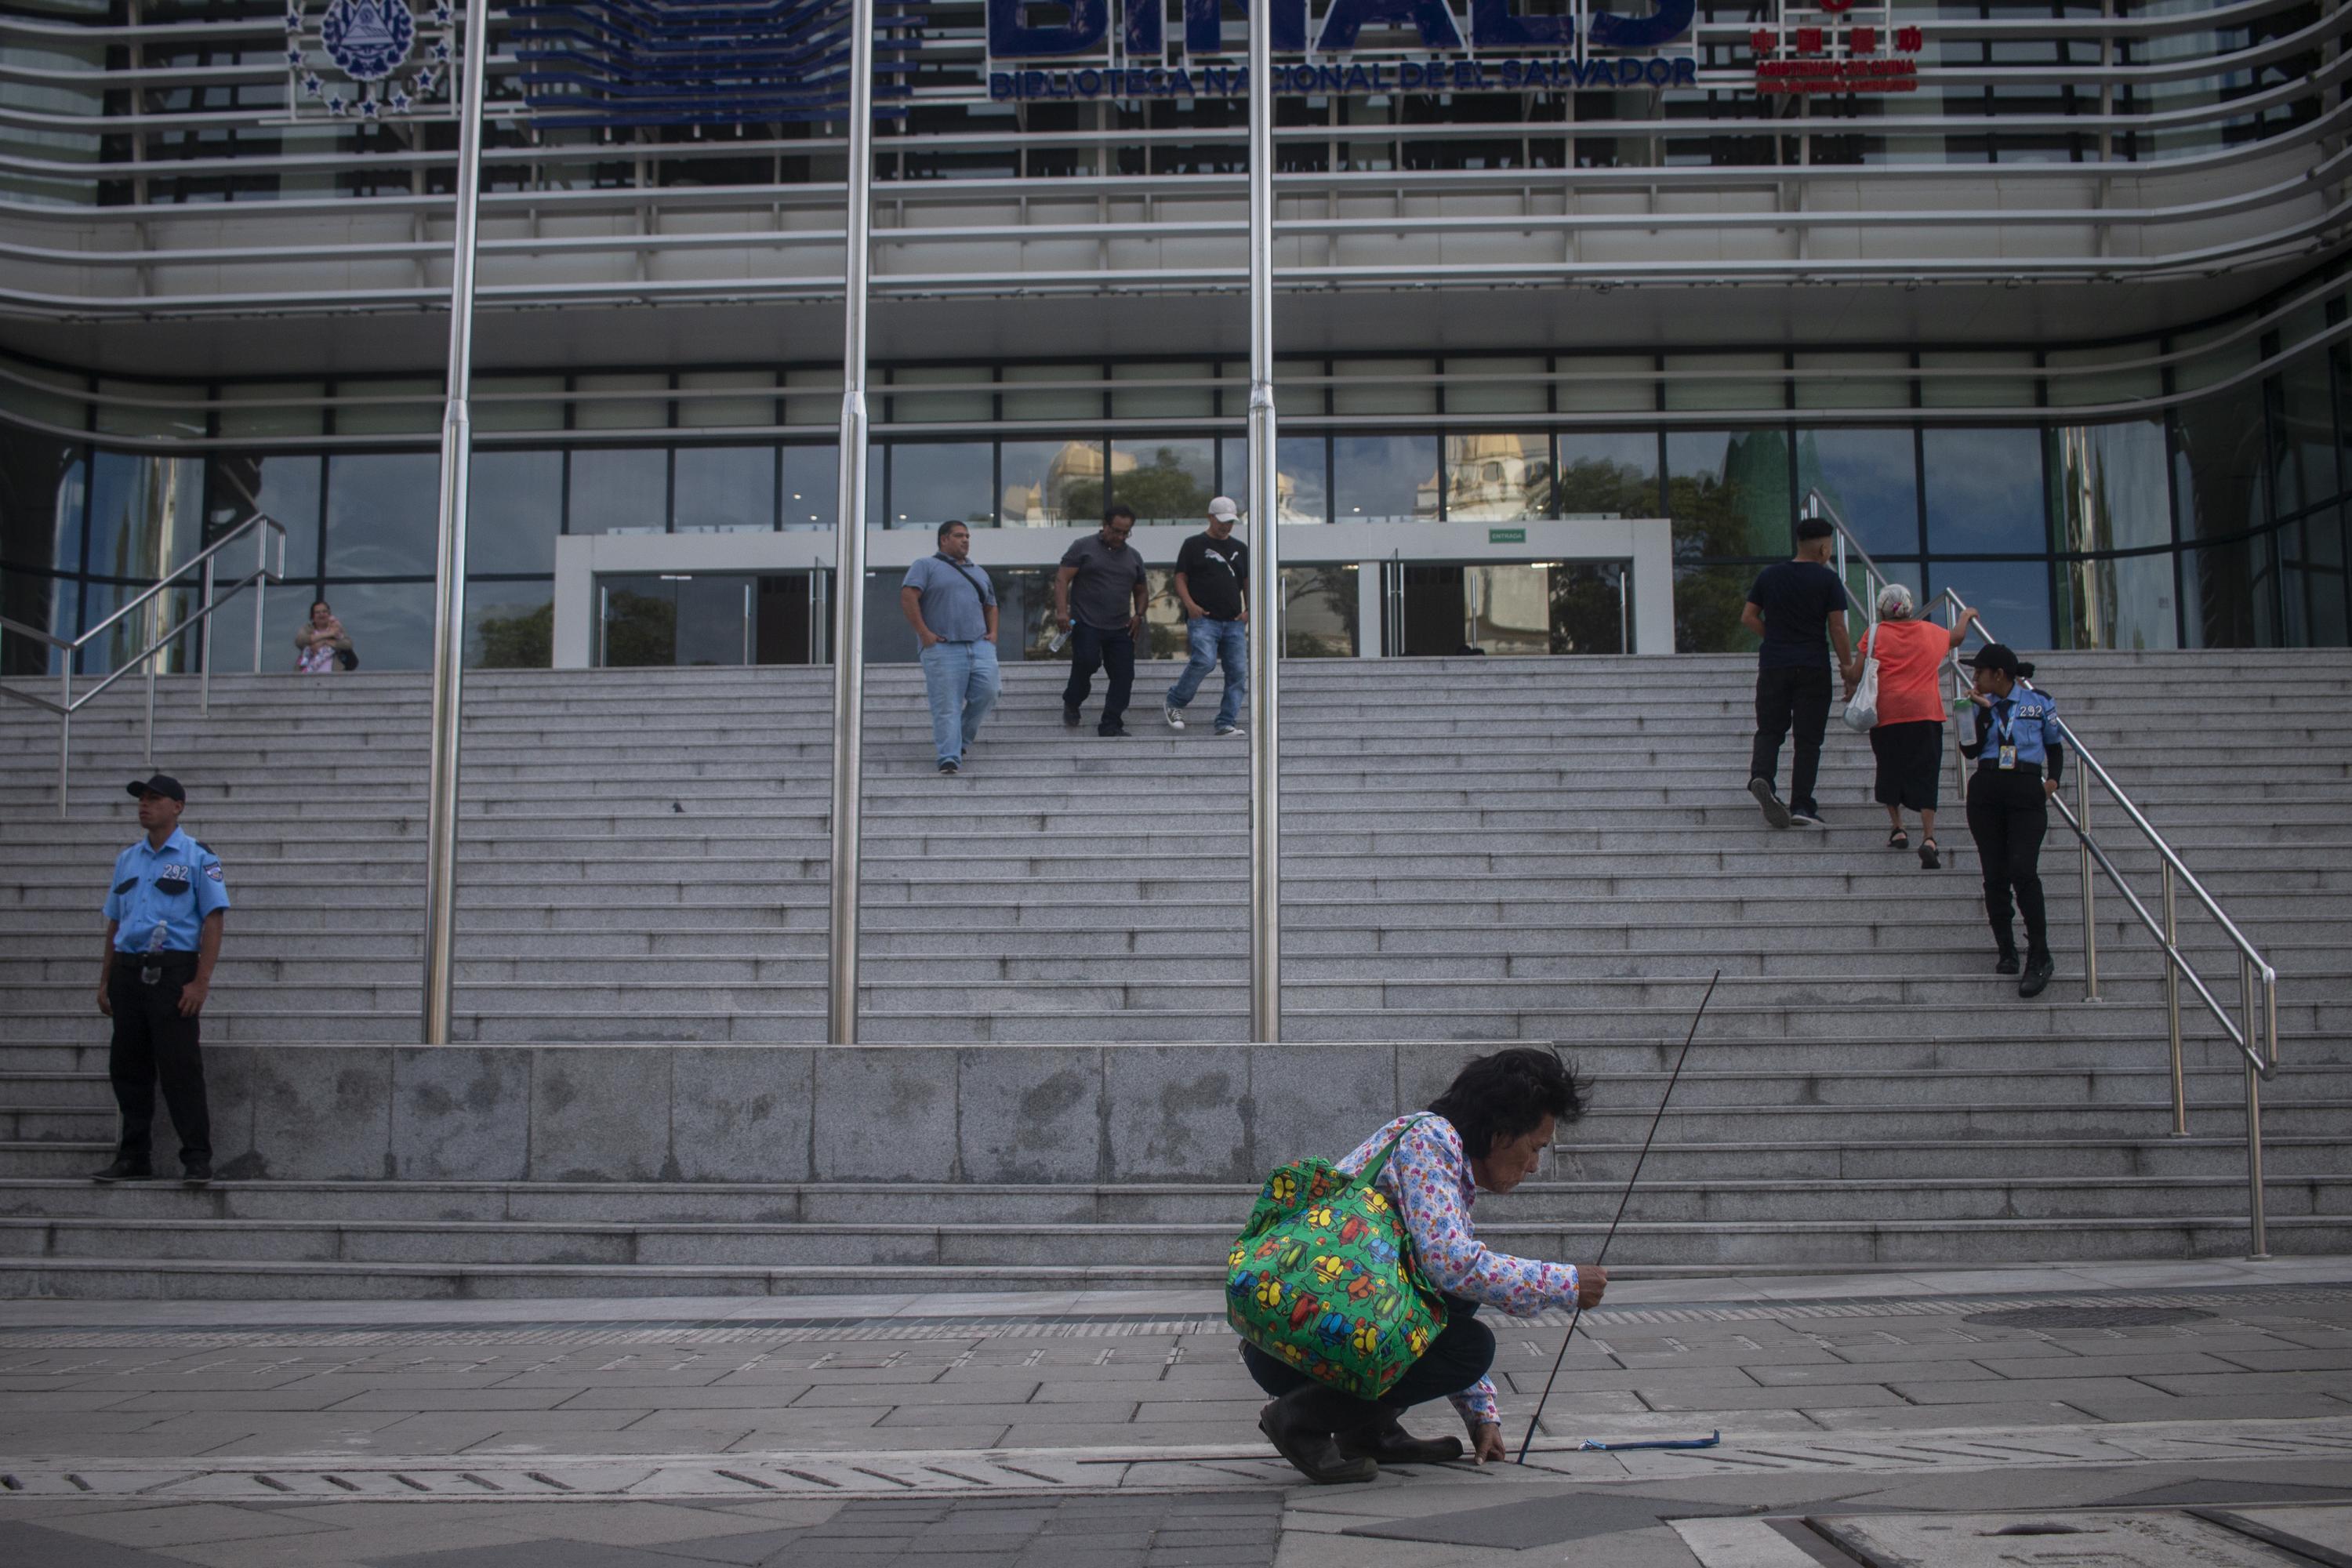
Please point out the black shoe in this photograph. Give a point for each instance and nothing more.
(1774, 812)
(1386, 1442)
(949, 770)
(2008, 962)
(1301, 1425)
(2039, 968)
(1112, 733)
(1805, 816)
(1928, 859)
(123, 1170)
(199, 1174)
(1069, 718)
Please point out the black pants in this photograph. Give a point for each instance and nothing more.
(151, 1043)
(1457, 1358)
(2008, 816)
(1787, 699)
(1091, 650)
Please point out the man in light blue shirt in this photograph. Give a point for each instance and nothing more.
(952, 608)
(165, 912)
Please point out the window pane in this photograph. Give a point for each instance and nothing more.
(811, 497)
(2227, 594)
(1869, 476)
(725, 489)
(1984, 492)
(381, 512)
(1168, 482)
(1300, 492)
(1050, 484)
(620, 489)
(2220, 460)
(514, 511)
(391, 623)
(41, 493)
(639, 626)
(1497, 479)
(2120, 601)
(1708, 602)
(1727, 492)
(285, 487)
(2108, 490)
(510, 625)
(931, 482)
(1609, 475)
(2013, 596)
(2306, 463)
(146, 514)
(1319, 612)
(1384, 478)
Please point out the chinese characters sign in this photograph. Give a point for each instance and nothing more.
(1836, 47)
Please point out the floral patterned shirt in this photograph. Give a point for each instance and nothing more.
(1428, 1180)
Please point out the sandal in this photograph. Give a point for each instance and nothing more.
(1929, 860)
(1898, 839)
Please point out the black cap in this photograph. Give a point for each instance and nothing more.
(162, 783)
(2002, 658)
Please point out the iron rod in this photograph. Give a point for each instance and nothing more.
(154, 655)
(2172, 1004)
(65, 731)
(2258, 1240)
(449, 578)
(261, 585)
(2090, 895)
(1266, 574)
(849, 542)
(205, 644)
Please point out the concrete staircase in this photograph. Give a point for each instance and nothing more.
(1474, 851)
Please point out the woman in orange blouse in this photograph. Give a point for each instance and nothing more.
(1908, 738)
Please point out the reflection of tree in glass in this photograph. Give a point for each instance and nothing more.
(526, 641)
(1160, 490)
(1313, 598)
(1587, 612)
(1710, 518)
(642, 631)
(1601, 484)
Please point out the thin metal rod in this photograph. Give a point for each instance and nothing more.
(260, 585)
(2090, 894)
(1625, 1197)
(449, 579)
(64, 731)
(1265, 570)
(2257, 1239)
(204, 642)
(153, 657)
(849, 542)
(2172, 1004)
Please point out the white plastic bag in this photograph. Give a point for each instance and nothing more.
(1861, 713)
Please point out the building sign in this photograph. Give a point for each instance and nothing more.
(1329, 52)
(1836, 48)
(1507, 536)
(371, 59)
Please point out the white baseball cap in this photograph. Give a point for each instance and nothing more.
(1223, 510)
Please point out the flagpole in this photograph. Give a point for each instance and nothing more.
(849, 542)
(1264, 572)
(449, 568)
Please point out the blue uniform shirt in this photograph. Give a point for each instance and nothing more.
(2025, 718)
(176, 887)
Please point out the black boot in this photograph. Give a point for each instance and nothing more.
(1387, 1442)
(2039, 968)
(2007, 962)
(1301, 1424)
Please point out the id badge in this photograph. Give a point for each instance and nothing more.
(2008, 758)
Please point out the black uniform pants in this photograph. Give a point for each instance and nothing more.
(1090, 650)
(2008, 816)
(1459, 1356)
(1787, 699)
(152, 1043)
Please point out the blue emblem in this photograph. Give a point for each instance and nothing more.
(367, 40)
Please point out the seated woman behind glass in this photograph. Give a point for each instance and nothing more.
(322, 647)
(1488, 1130)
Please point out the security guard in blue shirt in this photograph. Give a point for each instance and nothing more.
(2020, 751)
(164, 919)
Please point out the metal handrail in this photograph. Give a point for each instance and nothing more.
(264, 529)
(2256, 1037)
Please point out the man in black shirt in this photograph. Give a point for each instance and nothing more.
(1213, 582)
(1099, 595)
(1790, 608)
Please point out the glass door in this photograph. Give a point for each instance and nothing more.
(1516, 608)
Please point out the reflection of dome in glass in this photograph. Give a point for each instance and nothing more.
(1492, 477)
(1046, 502)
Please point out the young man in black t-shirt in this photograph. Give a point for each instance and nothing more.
(1212, 584)
(1790, 608)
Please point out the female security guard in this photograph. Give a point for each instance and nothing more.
(2020, 753)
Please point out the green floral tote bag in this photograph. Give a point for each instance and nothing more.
(1324, 1277)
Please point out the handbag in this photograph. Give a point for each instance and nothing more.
(1324, 1277)
(1861, 711)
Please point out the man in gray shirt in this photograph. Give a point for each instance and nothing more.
(1099, 595)
(952, 608)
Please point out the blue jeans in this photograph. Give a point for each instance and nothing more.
(1212, 643)
(962, 680)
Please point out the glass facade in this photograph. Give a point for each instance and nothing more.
(2216, 519)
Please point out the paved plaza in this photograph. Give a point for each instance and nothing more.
(2126, 1414)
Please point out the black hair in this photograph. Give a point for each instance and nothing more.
(952, 522)
(1120, 508)
(316, 603)
(1508, 1094)
(1813, 528)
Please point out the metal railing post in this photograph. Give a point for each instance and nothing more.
(2258, 1242)
(205, 644)
(154, 655)
(1265, 568)
(64, 731)
(2090, 896)
(2172, 1003)
(261, 586)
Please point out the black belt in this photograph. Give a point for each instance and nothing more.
(151, 965)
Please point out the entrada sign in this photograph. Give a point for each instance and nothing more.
(1503, 50)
